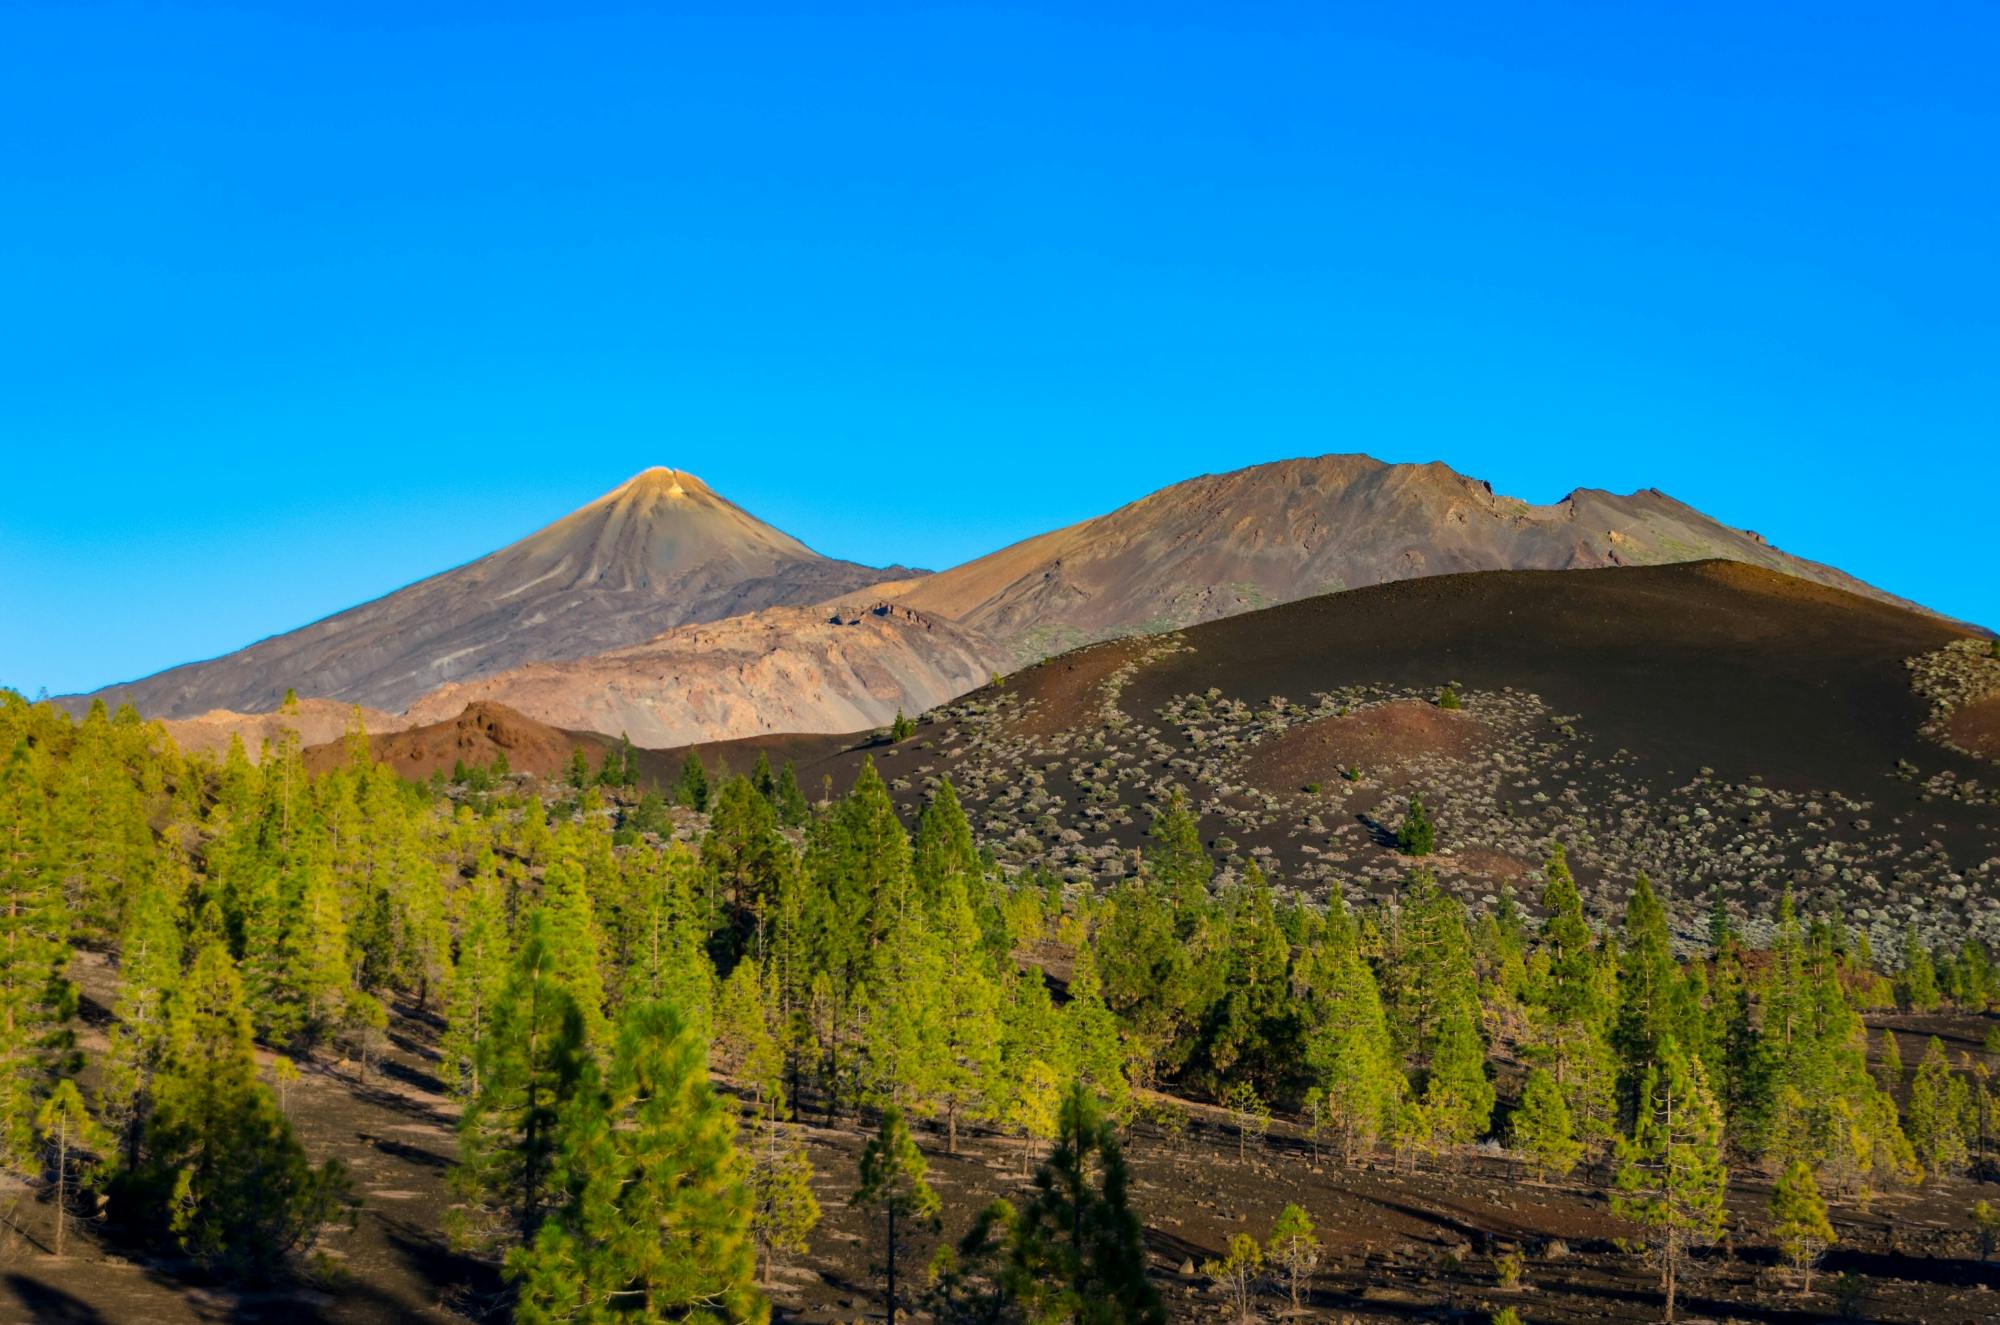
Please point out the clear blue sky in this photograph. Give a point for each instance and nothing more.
(300, 306)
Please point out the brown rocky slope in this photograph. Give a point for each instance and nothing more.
(1226, 543)
(835, 667)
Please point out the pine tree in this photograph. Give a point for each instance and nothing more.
(744, 857)
(904, 1044)
(1237, 1272)
(784, 1209)
(1093, 1046)
(1916, 982)
(574, 944)
(1647, 976)
(1347, 1042)
(942, 859)
(1436, 1013)
(70, 1137)
(36, 999)
(791, 801)
(1671, 1178)
(1457, 1093)
(1889, 1069)
(1418, 834)
(1078, 1252)
(1148, 976)
(530, 1064)
(1179, 862)
(1802, 1228)
(1248, 1030)
(765, 782)
(1985, 1228)
(1936, 1113)
(691, 787)
(748, 1042)
(1294, 1248)
(654, 1223)
(317, 977)
(149, 970)
(967, 1047)
(1542, 1127)
(892, 1185)
(1567, 1009)
(477, 979)
(220, 1171)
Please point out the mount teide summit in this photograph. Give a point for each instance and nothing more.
(660, 550)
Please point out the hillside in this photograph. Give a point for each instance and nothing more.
(660, 550)
(1713, 724)
(1227, 543)
(476, 736)
(316, 721)
(833, 667)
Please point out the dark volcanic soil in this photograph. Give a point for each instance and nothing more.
(1713, 724)
(1400, 1246)
(476, 736)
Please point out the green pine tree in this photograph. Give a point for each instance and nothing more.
(36, 998)
(784, 1209)
(1418, 834)
(574, 945)
(749, 1039)
(1078, 1252)
(793, 810)
(1671, 1176)
(1936, 1111)
(70, 1139)
(1801, 1227)
(942, 860)
(1294, 1248)
(1542, 1127)
(1347, 1044)
(691, 787)
(220, 1172)
(892, 1186)
(477, 979)
(530, 1063)
(654, 1220)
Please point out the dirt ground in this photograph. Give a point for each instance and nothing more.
(1400, 1246)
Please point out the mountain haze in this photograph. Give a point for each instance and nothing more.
(660, 550)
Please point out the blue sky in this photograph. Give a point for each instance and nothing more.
(301, 306)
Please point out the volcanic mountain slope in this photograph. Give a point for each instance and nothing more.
(476, 736)
(315, 721)
(1228, 543)
(660, 550)
(834, 667)
(1713, 724)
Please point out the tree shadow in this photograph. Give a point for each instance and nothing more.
(44, 1302)
(404, 1151)
(472, 1285)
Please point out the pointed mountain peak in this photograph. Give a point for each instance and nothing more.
(659, 481)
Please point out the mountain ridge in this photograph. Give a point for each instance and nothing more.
(1204, 547)
(663, 609)
(661, 549)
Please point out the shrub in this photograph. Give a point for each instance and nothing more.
(1418, 835)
